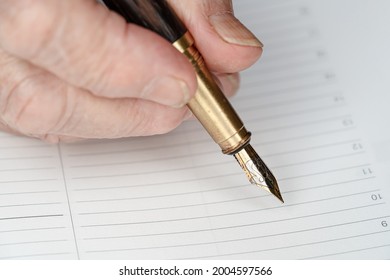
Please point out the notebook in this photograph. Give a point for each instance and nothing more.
(316, 106)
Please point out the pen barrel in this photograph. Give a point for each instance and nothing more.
(210, 106)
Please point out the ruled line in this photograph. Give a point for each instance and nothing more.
(31, 192)
(203, 165)
(302, 124)
(164, 183)
(323, 74)
(295, 113)
(24, 158)
(26, 169)
(139, 149)
(279, 19)
(174, 169)
(161, 158)
(286, 43)
(185, 141)
(211, 229)
(248, 238)
(162, 195)
(293, 246)
(225, 214)
(272, 57)
(187, 155)
(193, 167)
(281, 22)
(306, 136)
(288, 66)
(251, 89)
(276, 104)
(32, 242)
(170, 183)
(32, 217)
(319, 159)
(35, 255)
(216, 202)
(323, 172)
(30, 204)
(310, 148)
(122, 151)
(269, 9)
(32, 229)
(311, 61)
(138, 161)
(347, 252)
(28, 181)
(332, 184)
(206, 140)
(302, 33)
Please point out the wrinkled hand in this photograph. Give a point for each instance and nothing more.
(72, 69)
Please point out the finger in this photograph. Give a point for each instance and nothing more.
(36, 103)
(46, 138)
(226, 44)
(6, 128)
(83, 43)
(229, 83)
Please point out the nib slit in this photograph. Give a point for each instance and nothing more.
(257, 172)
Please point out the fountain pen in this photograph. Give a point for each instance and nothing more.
(209, 105)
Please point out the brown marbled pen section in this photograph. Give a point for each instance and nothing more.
(209, 105)
(157, 16)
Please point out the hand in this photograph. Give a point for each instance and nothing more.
(74, 70)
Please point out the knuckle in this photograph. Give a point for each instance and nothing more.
(160, 121)
(161, 126)
(30, 108)
(35, 26)
(19, 105)
(78, 55)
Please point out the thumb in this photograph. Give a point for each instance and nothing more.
(225, 43)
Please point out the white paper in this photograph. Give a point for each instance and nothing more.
(177, 197)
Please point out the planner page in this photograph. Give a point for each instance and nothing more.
(308, 105)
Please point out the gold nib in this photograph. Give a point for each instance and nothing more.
(257, 172)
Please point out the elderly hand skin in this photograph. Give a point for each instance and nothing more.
(74, 70)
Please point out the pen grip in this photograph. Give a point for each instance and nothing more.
(155, 15)
(209, 105)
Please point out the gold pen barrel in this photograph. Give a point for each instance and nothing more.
(210, 106)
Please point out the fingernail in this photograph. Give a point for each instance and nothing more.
(231, 30)
(168, 91)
